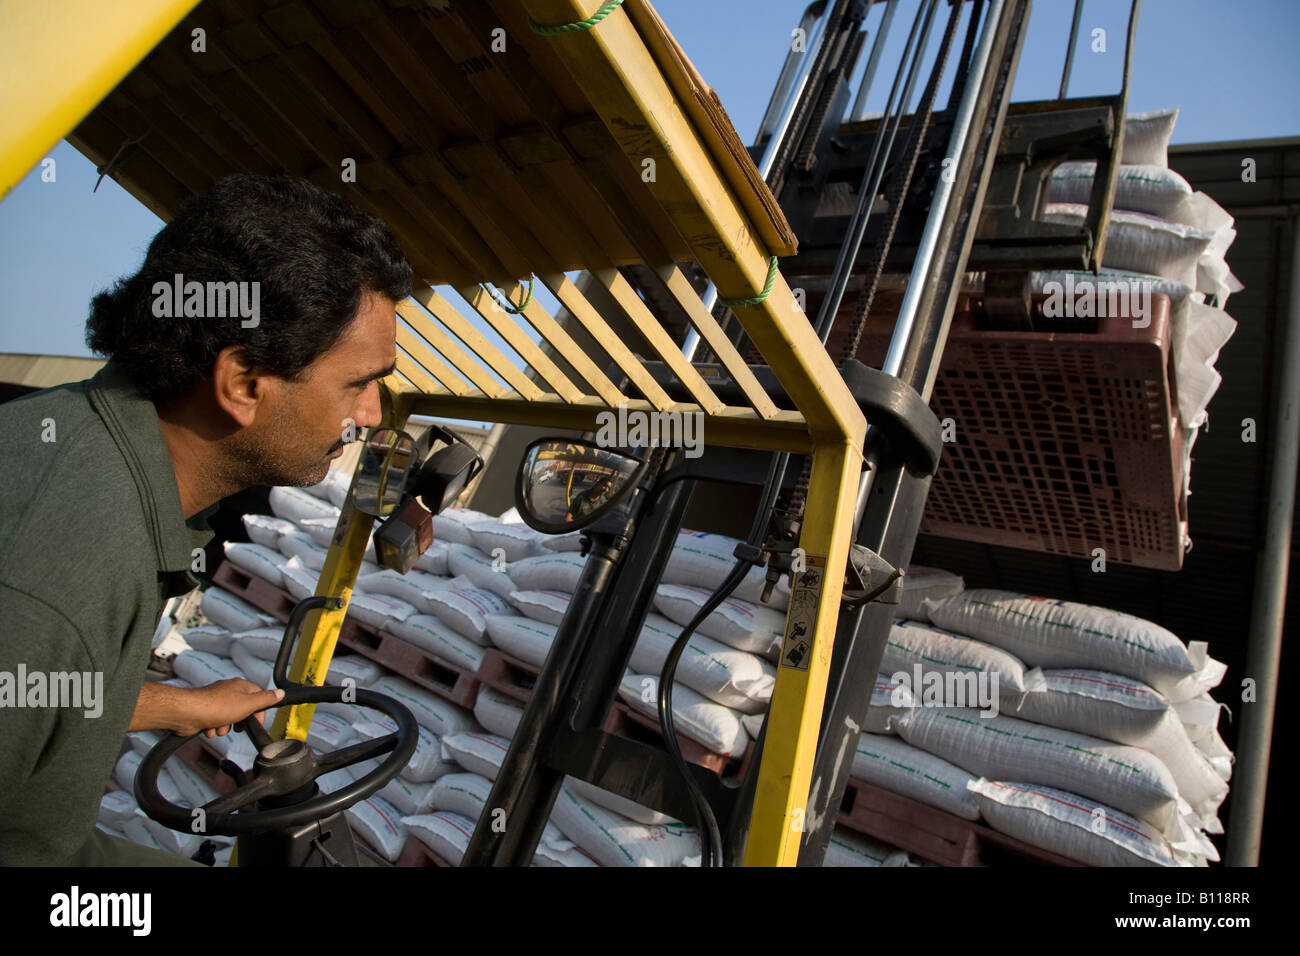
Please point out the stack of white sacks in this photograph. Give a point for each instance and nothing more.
(484, 582)
(1104, 748)
(1101, 741)
(1169, 238)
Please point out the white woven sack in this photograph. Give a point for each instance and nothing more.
(558, 571)
(434, 559)
(515, 541)
(1005, 748)
(478, 753)
(333, 487)
(549, 607)
(413, 587)
(406, 797)
(1071, 825)
(1146, 137)
(846, 848)
(1154, 190)
(1142, 243)
(299, 544)
(266, 530)
(735, 679)
(715, 727)
(1200, 718)
(128, 765)
(142, 741)
(251, 667)
(378, 610)
(299, 580)
(201, 669)
(233, 613)
(1046, 633)
(446, 834)
(321, 531)
(361, 671)
(328, 732)
(172, 841)
(453, 525)
(934, 650)
(1196, 342)
(296, 504)
(497, 713)
(562, 542)
(901, 768)
(463, 793)
(465, 610)
(208, 638)
(483, 570)
(426, 764)
(262, 642)
(613, 840)
(438, 715)
(1126, 711)
(739, 624)
(427, 632)
(704, 560)
(116, 807)
(380, 825)
(195, 791)
(890, 700)
(520, 637)
(921, 583)
(256, 559)
(620, 805)
(556, 850)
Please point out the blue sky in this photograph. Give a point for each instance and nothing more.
(1231, 68)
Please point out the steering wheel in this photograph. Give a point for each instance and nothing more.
(284, 766)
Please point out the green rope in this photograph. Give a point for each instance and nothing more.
(124, 154)
(508, 306)
(587, 24)
(767, 290)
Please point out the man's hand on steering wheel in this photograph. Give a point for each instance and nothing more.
(210, 710)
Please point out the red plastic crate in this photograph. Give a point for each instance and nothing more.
(1064, 441)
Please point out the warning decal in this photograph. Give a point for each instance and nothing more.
(796, 650)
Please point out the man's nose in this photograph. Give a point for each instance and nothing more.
(369, 410)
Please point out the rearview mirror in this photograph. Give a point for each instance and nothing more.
(566, 484)
(385, 467)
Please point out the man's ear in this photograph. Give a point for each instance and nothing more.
(238, 386)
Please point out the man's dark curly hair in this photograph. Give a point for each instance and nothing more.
(312, 253)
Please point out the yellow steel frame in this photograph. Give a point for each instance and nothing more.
(58, 60)
(447, 368)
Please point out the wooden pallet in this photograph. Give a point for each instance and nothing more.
(414, 663)
(415, 853)
(257, 591)
(507, 674)
(934, 834)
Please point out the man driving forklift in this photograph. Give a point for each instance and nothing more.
(243, 353)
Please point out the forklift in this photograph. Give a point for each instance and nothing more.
(728, 287)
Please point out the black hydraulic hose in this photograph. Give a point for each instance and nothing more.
(710, 835)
